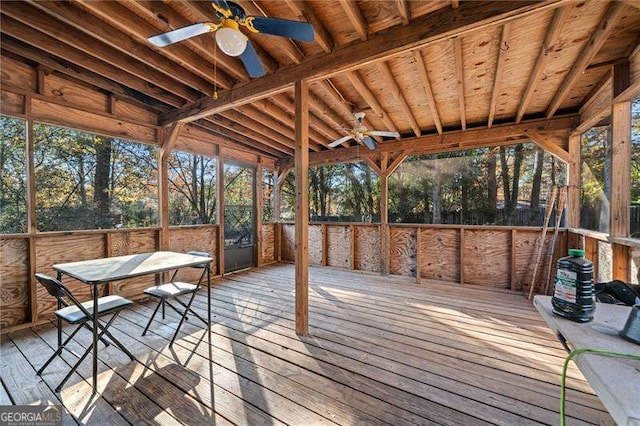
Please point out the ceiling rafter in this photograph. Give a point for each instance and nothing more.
(460, 80)
(433, 27)
(52, 46)
(495, 93)
(157, 13)
(598, 37)
(361, 87)
(317, 124)
(356, 17)
(397, 94)
(305, 13)
(405, 12)
(228, 135)
(124, 20)
(553, 31)
(62, 32)
(426, 84)
(234, 120)
(94, 27)
(287, 46)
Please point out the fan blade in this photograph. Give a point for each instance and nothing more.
(370, 143)
(382, 133)
(165, 39)
(282, 27)
(251, 61)
(340, 141)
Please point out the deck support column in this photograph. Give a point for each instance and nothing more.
(258, 210)
(573, 190)
(302, 207)
(620, 171)
(220, 210)
(167, 137)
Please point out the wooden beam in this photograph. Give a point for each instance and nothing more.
(503, 134)
(400, 157)
(495, 93)
(285, 45)
(430, 28)
(167, 138)
(384, 221)
(95, 28)
(319, 128)
(238, 121)
(549, 144)
(573, 191)
(80, 59)
(361, 87)
(141, 19)
(455, 4)
(553, 31)
(372, 164)
(220, 211)
(355, 16)
(619, 225)
(405, 13)
(426, 85)
(305, 13)
(460, 80)
(597, 106)
(392, 85)
(302, 207)
(65, 33)
(587, 53)
(32, 225)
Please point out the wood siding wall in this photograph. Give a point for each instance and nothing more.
(499, 257)
(16, 300)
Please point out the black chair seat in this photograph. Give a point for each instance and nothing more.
(170, 289)
(106, 305)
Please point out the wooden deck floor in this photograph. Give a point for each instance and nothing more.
(381, 351)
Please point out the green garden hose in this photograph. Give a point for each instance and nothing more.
(566, 365)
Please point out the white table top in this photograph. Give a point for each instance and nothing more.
(100, 271)
(615, 380)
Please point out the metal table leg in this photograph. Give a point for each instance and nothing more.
(95, 338)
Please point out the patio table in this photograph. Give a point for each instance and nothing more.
(102, 271)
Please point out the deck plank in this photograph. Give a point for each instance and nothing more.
(382, 350)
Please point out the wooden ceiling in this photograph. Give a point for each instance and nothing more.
(418, 67)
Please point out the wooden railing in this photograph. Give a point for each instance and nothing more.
(500, 257)
(23, 303)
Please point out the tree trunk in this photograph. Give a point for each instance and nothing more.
(504, 173)
(492, 186)
(101, 182)
(534, 203)
(435, 191)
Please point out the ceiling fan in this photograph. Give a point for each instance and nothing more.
(231, 40)
(363, 135)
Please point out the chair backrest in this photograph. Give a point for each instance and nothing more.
(57, 290)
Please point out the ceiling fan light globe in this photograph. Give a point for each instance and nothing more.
(231, 42)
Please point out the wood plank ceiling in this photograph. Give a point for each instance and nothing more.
(542, 63)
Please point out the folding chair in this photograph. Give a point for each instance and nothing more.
(73, 312)
(173, 290)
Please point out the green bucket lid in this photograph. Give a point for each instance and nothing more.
(576, 252)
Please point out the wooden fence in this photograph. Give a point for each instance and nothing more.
(500, 257)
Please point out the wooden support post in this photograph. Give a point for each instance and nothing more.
(167, 138)
(258, 211)
(573, 191)
(513, 259)
(220, 211)
(620, 169)
(621, 262)
(302, 207)
(418, 254)
(32, 227)
(325, 246)
(384, 222)
(352, 230)
(461, 255)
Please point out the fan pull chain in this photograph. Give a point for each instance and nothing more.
(215, 71)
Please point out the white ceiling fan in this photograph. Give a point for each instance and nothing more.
(361, 134)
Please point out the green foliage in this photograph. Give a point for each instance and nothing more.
(13, 176)
(68, 194)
